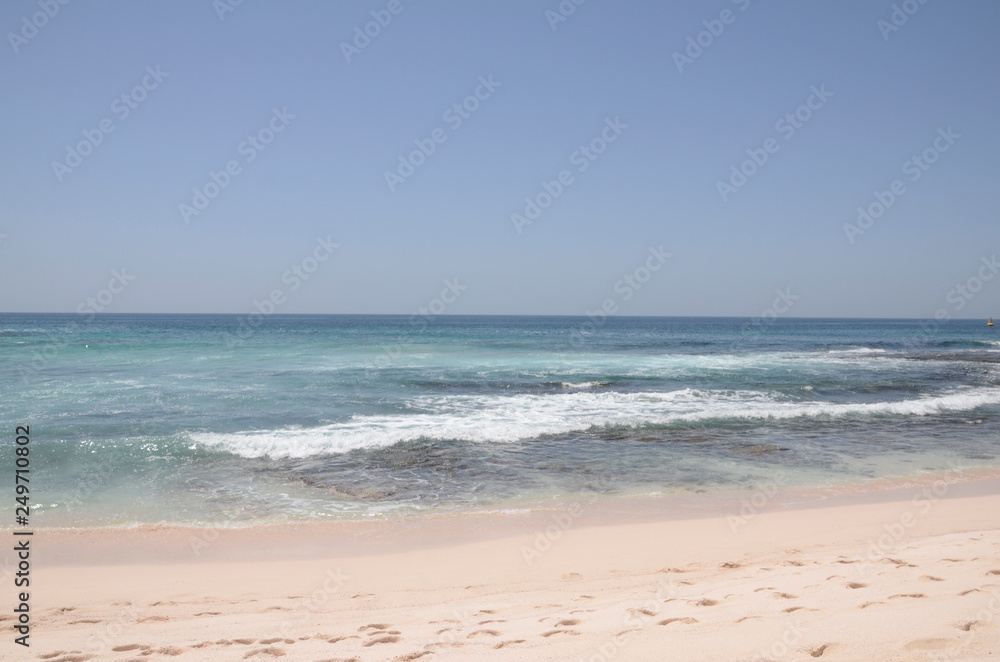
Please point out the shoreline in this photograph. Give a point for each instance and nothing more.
(387, 534)
(888, 575)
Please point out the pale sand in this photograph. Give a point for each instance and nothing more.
(622, 582)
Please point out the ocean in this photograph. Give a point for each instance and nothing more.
(230, 420)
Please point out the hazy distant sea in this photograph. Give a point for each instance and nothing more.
(177, 418)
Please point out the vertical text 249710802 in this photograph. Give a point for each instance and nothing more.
(21, 512)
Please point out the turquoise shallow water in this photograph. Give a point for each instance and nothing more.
(176, 418)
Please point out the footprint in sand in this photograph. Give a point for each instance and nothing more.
(644, 612)
(372, 626)
(730, 564)
(971, 590)
(410, 656)
(784, 596)
(856, 585)
(818, 651)
(169, 650)
(972, 625)
(568, 621)
(687, 620)
(870, 604)
(898, 562)
(130, 647)
(386, 639)
(907, 595)
(931, 578)
(706, 602)
(270, 651)
(555, 632)
(993, 572)
(510, 642)
(488, 633)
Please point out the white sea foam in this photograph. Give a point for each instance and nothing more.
(505, 419)
(857, 350)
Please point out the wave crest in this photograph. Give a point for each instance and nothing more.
(505, 419)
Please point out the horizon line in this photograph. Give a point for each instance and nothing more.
(455, 316)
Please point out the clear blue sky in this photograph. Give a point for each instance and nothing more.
(655, 185)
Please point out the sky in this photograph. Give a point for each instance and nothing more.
(681, 158)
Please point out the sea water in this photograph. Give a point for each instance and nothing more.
(203, 419)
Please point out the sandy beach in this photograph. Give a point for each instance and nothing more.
(895, 572)
(565, 330)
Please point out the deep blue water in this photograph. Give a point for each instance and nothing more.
(202, 418)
